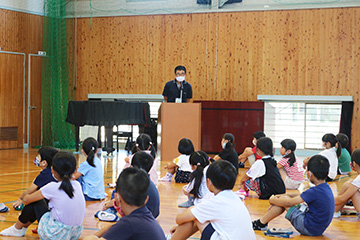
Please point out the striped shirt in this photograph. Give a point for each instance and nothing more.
(295, 172)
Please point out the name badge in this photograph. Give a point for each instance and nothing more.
(178, 100)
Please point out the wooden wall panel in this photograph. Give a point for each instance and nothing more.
(19, 32)
(231, 56)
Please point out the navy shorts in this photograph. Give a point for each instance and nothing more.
(208, 232)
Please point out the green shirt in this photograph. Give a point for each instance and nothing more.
(344, 161)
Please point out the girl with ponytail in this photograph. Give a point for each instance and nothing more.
(90, 173)
(290, 168)
(197, 190)
(332, 152)
(143, 144)
(66, 201)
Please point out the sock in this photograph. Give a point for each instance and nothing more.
(261, 224)
(358, 215)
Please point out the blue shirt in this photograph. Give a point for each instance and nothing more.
(172, 91)
(321, 207)
(93, 179)
(44, 178)
(139, 225)
(153, 204)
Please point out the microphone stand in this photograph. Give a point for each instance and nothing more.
(181, 91)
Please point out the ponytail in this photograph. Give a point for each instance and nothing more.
(90, 146)
(231, 140)
(64, 164)
(200, 160)
(331, 138)
(67, 186)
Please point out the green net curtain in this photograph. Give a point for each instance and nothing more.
(57, 74)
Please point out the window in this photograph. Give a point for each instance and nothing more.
(306, 123)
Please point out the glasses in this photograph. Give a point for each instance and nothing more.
(180, 74)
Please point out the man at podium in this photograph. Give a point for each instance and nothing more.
(178, 90)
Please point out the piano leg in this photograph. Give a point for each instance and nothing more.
(108, 140)
(77, 138)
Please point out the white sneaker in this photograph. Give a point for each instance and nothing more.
(13, 232)
(166, 178)
(337, 214)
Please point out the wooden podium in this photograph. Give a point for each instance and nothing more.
(177, 121)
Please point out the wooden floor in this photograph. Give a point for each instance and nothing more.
(17, 171)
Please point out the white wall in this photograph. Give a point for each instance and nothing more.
(28, 6)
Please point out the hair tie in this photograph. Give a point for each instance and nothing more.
(93, 148)
(209, 158)
(137, 144)
(150, 143)
(198, 164)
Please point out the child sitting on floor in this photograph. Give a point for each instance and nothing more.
(180, 165)
(291, 170)
(144, 161)
(263, 177)
(345, 158)
(138, 222)
(351, 189)
(250, 152)
(228, 153)
(223, 216)
(66, 201)
(314, 219)
(197, 190)
(33, 211)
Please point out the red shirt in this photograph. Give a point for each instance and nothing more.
(257, 156)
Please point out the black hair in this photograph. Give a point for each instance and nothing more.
(343, 139)
(265, 144)
(259, 134)
(185, 146)
(90, 146)
(222, 174)
(65, 164)
(319, 166)
(355, 156)
(180, 68)
(142, 160)
(143, 142)
(199, 159)
(133, 185)
(289, 144)
(47, 154)
(231, 140)
(331, 138)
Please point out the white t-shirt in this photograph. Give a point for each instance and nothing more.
(203, 190)
(228, 216)
(330, 154)
(356, 182)
(69, 211)
(257, 169)
(183, 163)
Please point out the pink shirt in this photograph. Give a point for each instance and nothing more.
(295, 172)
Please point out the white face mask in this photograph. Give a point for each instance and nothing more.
(180, 78)
(224, 145)
(254, 142)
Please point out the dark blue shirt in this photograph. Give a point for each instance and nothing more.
(153, 203)
(44, 178)
(172, 91)
(321, 206)
(139, 225)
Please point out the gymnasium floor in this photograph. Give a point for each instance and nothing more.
(17, 171)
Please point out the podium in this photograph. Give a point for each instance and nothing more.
(177, 121)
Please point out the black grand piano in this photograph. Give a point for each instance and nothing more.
(108, 114)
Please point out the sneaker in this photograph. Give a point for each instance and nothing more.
(186, 204)
(337, 214)
(241, 165)
(106, 216)
(257, 225)
(278, 231)
(13, 232)
(20, 207)
(35, 230)
(166, 178)
(3, 208)
(283, 235)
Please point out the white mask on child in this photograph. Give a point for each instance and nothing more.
(224, 145)
(254, 142)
